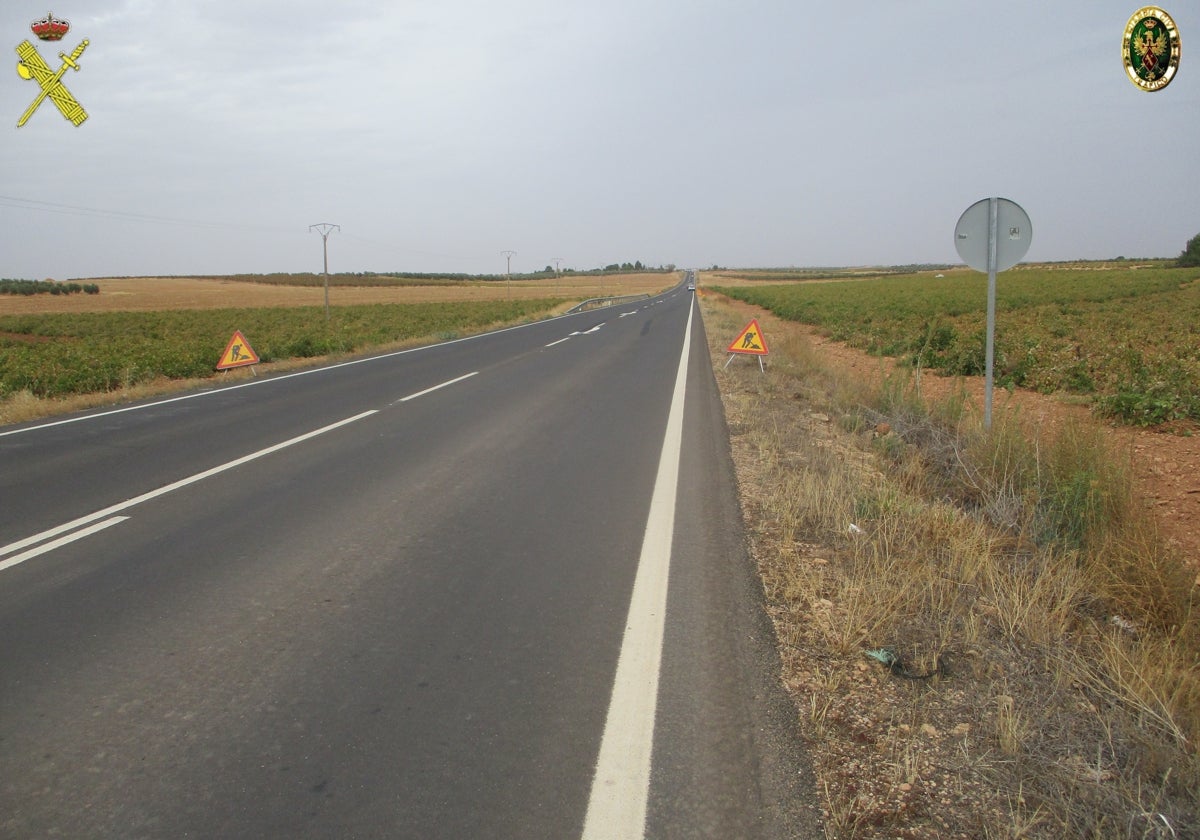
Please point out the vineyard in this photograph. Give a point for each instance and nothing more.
(1126, 338)
(54, 355)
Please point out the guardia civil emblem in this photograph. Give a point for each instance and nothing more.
(1151, 48)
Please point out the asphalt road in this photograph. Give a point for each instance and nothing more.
(390, 598)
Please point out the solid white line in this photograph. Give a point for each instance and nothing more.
(437, 387)
(621, 786)
(61, 541)
(168, 488)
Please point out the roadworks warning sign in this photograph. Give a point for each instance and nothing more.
(749, 341)
(238, 353)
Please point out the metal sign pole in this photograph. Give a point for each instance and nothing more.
(990, 351)
(978, 241)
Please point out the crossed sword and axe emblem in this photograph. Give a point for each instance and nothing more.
(31, 66)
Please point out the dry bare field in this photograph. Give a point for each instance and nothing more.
(146, 294)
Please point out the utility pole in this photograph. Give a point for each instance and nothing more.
(557, 273)
(324, 228)
(508, 255)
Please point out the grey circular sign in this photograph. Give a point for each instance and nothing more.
(1014, 232)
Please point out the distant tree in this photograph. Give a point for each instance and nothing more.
(637, 266)
(1191, 254)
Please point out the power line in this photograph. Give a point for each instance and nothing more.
(56, 208)
(29, 204)
(399, 250)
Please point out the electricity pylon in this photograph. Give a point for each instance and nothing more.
(557, 272)
(324, 228)
(508, 255)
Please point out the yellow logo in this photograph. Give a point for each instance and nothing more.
(32, 67)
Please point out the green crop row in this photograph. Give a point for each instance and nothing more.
(64, 354)
(1128, 338)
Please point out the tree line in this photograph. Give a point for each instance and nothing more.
(45, 287)
(1190, 258)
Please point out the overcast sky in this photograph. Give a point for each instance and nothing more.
(439, 132)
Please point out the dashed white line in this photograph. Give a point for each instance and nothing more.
(577, 332)
(169, 488)
(436, 387)
(68, 527)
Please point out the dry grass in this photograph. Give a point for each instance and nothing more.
(156, 293)
(1015, 568)
(23, 406)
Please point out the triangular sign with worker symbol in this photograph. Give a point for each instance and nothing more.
(238, 353)
(750, 341)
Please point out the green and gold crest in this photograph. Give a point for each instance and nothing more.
(1151, 48)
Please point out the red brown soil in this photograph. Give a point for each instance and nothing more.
(1165, 463)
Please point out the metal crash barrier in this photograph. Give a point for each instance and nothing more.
(600, 303)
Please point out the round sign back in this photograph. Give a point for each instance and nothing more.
(1151, 48)
(1014, 232)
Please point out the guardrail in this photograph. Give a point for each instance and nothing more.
(600, 303)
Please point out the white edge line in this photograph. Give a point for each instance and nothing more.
(208, 392)
(61, 541)
(168, 488)
(437, 387)
(621, 786)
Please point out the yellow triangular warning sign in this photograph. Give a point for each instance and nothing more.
(750, 341)
(238, 353)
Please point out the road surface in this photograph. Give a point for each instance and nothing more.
(491, 588)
